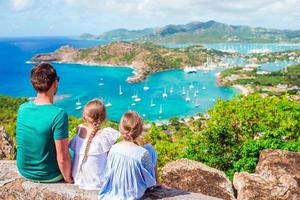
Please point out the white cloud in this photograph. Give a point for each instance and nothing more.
(20, 5)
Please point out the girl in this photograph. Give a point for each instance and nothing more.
(90, 146)
(131, 169)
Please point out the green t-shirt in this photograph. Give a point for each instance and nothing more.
(37, 128)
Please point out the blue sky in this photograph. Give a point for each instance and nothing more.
(74, 17)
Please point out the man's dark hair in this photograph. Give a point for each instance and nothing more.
(42, 76)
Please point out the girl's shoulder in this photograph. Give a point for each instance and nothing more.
(136, 152)
(108, 133)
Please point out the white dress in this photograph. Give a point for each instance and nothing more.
(90, 177)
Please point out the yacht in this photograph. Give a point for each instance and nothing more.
(160, 109)
(165, 95)
(146, 87)
(78, 102)
(171, 90)
(187, 98)
(137, 99)
(191, 86)
(152, 104)
(78, 108)
(108, 104)
(183, 91)
(120, 91)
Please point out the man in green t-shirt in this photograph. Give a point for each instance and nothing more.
(42, 132)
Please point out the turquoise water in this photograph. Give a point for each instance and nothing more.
(82, 82)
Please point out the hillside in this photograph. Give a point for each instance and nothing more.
(145, 58)
(203, 32)
(286, 81)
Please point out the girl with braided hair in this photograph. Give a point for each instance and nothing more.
(91, 145)
(131, 168)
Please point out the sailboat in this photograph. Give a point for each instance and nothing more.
(187, 97)
(120, 90)
(195, 94)
(171, 90)
(138, 99)
(160, 109)
(78, 105)
(152, 104)
(146, 87)
(78, 102)
(108, 104)
(183, 91)
(165, 95)
(191, 86)
(197, 103)
(134, 96)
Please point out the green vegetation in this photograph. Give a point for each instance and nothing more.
(8, 114)
(203, 32)
(274, 56)
(230, 140)
(232, 137)
(264, 83)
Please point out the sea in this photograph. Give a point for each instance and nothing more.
(161, 96)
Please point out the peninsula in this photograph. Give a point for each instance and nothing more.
(144, 58)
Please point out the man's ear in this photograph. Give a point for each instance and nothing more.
(54, 86)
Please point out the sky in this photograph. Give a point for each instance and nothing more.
(74, 17)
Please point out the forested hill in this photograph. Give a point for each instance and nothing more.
(201, 32)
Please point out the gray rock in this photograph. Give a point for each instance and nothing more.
(277, 176)
(12, 187)
(193, 176)
(7, 150)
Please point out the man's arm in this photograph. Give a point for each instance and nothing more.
(64, 159)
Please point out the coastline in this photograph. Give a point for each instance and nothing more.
(244, 90)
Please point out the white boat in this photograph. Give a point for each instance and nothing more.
(133, 104)
(108, 104)
(78, 108)
(171, 90)
(213, 99)
(187, 98)
(195, 94)
(78, 102)
(144, 115)
(137, 99)
(120, 90)
(191, 86)
(160, 109)
(183, 91)
(190, 70)
(101, 84)
(152, 104)
(134, 96)
(203, 88)
(165, 95)
(146, 87)
(197, 104)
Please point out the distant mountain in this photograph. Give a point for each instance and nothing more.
(126, 35)
(87, 36)
(203, 32)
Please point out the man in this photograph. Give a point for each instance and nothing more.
(42, 132)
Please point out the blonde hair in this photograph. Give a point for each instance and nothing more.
(94, 113)
(131, 126)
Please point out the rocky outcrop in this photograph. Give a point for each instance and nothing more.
(277, 176)
(194, 176)
(7, 150)
(12, 187)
